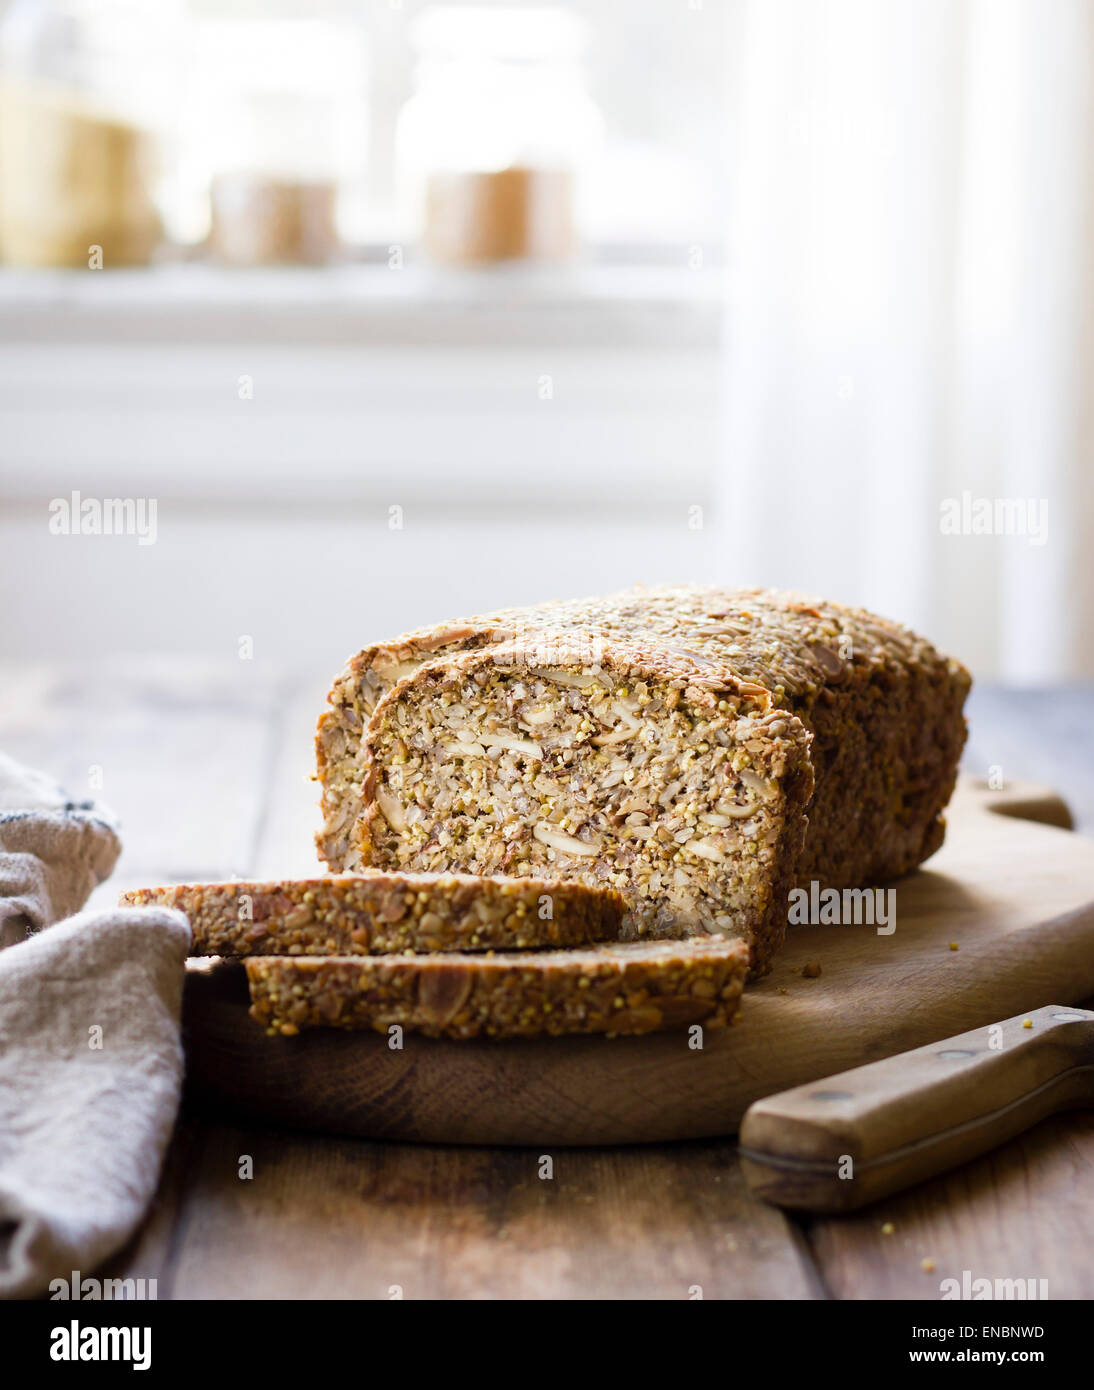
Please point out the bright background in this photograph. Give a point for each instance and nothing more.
(837, 269)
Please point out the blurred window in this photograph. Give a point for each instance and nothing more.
(266, 132)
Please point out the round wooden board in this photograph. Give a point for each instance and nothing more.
(1011, 887)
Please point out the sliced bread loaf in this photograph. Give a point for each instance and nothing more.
(702, 750)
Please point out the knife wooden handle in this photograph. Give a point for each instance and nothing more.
(840, 1143)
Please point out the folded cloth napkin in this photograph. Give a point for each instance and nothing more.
(53, 851)
(90, 1057)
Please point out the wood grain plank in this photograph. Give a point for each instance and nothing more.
(1036, 735)
(286, 845)
(150, 1254)
(179, 749)
(1022, 1212)
(325, 1218)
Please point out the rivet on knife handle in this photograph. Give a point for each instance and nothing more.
(847, 1140)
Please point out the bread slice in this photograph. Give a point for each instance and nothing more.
(703, 750)
(691, 805)
(636, 987)
(378, 912)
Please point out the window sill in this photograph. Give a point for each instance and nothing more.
(595, 305)
(358, 384)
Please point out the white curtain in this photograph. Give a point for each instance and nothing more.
(909, 320)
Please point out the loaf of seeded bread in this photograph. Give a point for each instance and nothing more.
(701, 750)
(621, 987)
(377, 912)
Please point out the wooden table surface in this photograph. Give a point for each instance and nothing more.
(208, 768)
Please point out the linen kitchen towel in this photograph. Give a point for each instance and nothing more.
(53, 851)
(90, 1056)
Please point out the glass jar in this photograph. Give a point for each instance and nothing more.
(278, 129)
(83, 105)
(493, 149)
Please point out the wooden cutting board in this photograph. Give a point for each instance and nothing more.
(1012, 888)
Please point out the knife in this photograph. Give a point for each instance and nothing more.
(840, 1143)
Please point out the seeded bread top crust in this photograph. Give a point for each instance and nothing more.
(775, 646)
(770, 648)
